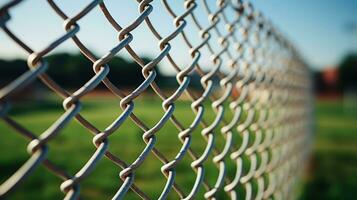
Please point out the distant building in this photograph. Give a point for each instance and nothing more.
(331, 78)
(327, 82)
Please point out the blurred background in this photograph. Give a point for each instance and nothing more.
(324, 31)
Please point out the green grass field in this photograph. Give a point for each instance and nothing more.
(73, 147)
(332, 176)
(333, 173)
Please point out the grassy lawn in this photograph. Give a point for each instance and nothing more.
(333, 173)
(73, 147)
(332, 176)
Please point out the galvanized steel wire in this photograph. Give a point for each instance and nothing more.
(273, 88)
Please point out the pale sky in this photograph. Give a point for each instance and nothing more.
(316, 27)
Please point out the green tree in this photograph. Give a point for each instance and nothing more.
(348, 72)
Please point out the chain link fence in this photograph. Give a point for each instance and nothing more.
(267, 82)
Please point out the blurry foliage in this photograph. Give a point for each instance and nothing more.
(347, 76)
(11, 69)
(73, 70)
(348, 71)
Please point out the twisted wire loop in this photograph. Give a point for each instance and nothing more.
(267, 87)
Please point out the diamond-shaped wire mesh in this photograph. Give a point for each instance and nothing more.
(267, 82)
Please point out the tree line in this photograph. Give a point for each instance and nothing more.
(74, 70)
(346, 77)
